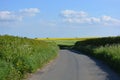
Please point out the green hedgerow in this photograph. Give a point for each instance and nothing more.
(23, 56)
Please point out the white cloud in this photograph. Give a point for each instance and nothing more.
(75, 16)
(12, 16)
(72, 13)
(95, 20)
(6, 16)
(108, 20)
(29, 11)
(81, 17)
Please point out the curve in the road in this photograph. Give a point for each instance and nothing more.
(73, 66)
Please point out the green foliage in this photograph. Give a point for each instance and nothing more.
(99, 41)
(8, 72)
(110, 54)
(23, 56)
(107, 49)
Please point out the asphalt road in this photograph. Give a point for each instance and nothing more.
(73, 66)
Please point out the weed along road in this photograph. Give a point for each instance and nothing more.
(73, 66)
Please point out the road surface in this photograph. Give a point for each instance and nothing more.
(73, 66)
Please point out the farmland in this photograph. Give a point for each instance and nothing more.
(64, 41)
(19, 56)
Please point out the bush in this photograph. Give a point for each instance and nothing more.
(24, 55)
(106, 49)
(110, 54)
(7, 71)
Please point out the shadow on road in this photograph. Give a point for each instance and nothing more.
(111, 75)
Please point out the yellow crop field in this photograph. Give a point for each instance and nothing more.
(64, 41)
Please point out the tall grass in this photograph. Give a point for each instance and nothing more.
(110, 54)
(19, 56)
(106, 49)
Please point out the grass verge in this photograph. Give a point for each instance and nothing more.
(19, 56)
(106, 49)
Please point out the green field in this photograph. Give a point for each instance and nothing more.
(63, 41)
(19, 56)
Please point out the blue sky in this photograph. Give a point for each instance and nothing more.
(60, 18)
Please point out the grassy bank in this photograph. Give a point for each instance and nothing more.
(19, 56)
(106, 49)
